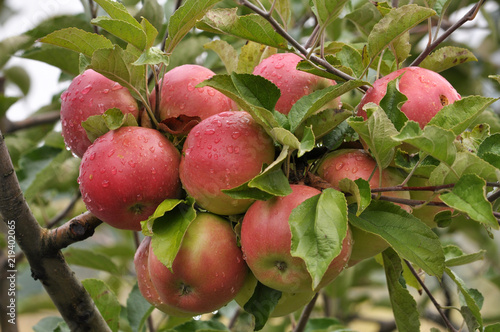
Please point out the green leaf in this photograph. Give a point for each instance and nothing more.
(251, 55)
(261, 304)
(153, 56)
(401, 47)
(489, 150)
(455, 256)
(167, 226)
(469, 297)
(326, 11)
(318, 226)
(458, 116)
(465, 163)
(117, 65)
(392, 102)
(492, 328)
(117, 11)
(6, 103)
(18, 76)
(138, 309)
(394, 24)
(335, 138)
(433, 140)
(403, 304)
(90, 259)
(199, 326)
(469, 196)
(377, 133)
(226, 53)
(407, 235)
(251, 27)
(184, 19)
(365, 17)
(51, 324)
(325, 325)
(351, 58)
(360, 190)
(131, 33)
(105, 300)
(473, 138)
(256, 90)
(11, 45)
(97, 125)
(447, 57)
(307, 143)
(66, 60)
(39, 168)
(77, 40)
(312, 103)
(269, 183)
(323, 122)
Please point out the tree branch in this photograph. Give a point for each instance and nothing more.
(467, 17)
(306, 313)
(302, 50)
(32, 121)
(47, 265)
(75, 230)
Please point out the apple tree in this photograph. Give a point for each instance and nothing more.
(285, 165)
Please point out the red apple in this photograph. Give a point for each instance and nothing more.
(427, 93)
(146, 287)
(281, 69)
(90, 93)
(125, 174)
(208, 271)
(182, 105)
(223, 152)
(287, 304)
(266, 243)
(354, 164)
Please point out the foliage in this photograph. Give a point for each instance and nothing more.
(353, 42)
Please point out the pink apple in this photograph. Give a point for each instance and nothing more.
(90, 93)
(182, 105)
(427, 93)
(125, 174)
(266, 242)
(223, 152)
(208, 271)
(287, 304)
(281, 69)
(354, 164)
(146, 287)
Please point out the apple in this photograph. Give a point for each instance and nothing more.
(281, 69)
(90, 93)
(427, 92)
(266, 243)
(182, 105)
(287, 304)
(222, 152)
(126, 173)
(208, 271)
(146, 287)
(354, 164)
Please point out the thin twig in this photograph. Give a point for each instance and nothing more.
(449, 325)
(32, 121)
(93, 14)
(306, 313)
(59, 217)
(295, 44)
(467, 17)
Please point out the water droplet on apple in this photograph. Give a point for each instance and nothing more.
(279, 65)
(182, 106)
(209, 131)
(110, 152)
(209, 155)
(211, 92)
(86, 89)
(354, 170)
(105, 91)
(113, 170)
(105, 183)
(236, 135)
(339, 166)
(64, 95)
(92, 156)
(131, 163)
(230, 149)
(153, 171)
(190, 86)
(103, 170)
(116, 86)
(217, 140)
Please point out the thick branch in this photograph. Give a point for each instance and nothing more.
(65, 290)
(75, 230)
(32, 121)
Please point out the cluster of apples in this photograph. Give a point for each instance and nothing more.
(126, 173)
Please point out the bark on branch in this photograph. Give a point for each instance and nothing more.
(47, 265)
